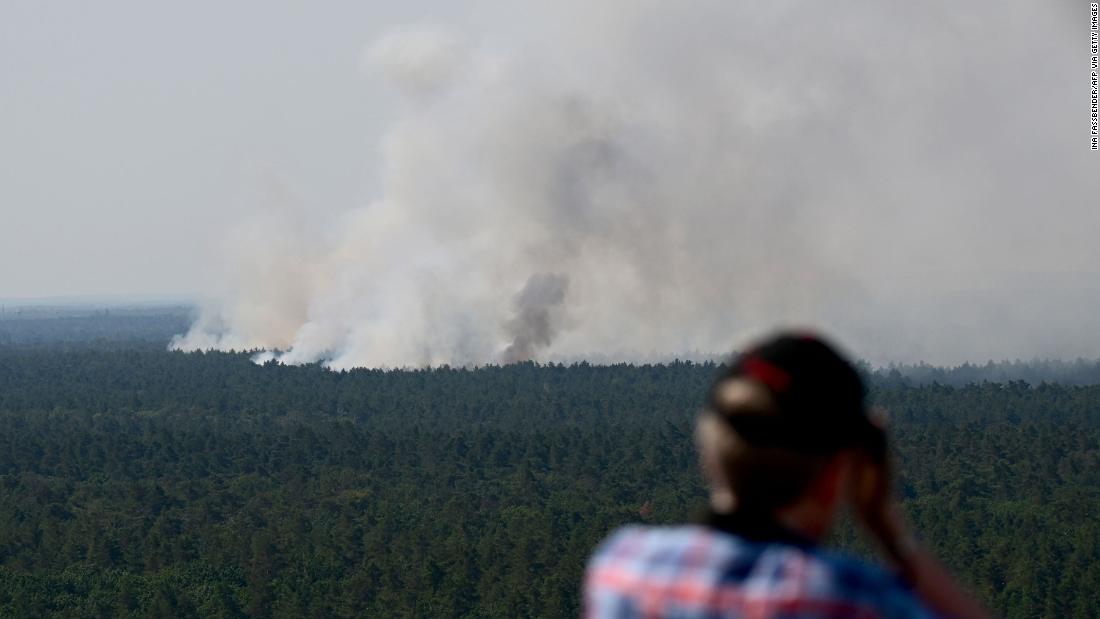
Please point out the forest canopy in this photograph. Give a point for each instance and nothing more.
(140, 482)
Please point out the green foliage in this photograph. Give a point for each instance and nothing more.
(139, 482)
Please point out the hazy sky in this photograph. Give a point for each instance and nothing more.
(378, 183)
(131, 132)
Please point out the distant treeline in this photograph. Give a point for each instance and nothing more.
(153, 327)
(140, 482)
(1033, 372)
(76, 324)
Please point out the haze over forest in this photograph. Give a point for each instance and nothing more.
(477, 183)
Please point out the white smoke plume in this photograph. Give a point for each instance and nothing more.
(638, 179)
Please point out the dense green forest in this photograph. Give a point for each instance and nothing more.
(137, 481)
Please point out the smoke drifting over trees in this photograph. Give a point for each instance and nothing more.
(916, 179)
(538, 314)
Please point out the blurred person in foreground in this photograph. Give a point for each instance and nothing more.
(785, 443)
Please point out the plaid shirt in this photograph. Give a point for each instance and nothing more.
(696, 571)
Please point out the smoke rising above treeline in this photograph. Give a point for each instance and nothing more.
(641, 180)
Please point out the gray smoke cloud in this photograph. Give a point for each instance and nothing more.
(538, 316)
(914, 179)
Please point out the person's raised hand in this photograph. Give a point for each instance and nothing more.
(873, 498)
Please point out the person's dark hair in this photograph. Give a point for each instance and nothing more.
(818, 396)
(778, 413)
(762, 478)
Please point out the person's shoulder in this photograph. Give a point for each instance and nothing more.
(659, 543)
(847, 571)
(801, 580)
(635, 534)
(638, 566)
(863, 584)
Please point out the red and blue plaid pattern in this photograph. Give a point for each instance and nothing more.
(696, 572)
